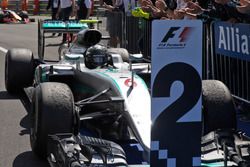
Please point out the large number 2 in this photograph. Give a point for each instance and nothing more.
(181, 139)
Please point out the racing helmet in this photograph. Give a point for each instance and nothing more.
(96, 56)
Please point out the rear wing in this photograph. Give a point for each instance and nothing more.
(59, 26)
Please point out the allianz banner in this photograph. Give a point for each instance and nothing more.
(232, 40)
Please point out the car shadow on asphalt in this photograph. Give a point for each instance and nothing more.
(25, 159)
(28, 159)
(4, 95)
(25, 121)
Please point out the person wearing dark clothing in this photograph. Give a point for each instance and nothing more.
(65, 10)
(54, 5)
(115, 14)
(171, 4)
(224, 10)
(83, 9)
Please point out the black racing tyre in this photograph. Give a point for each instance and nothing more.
(219, 110)
(123, 52)
(52, 112)
(19, 69)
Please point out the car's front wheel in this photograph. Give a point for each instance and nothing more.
(52, 112)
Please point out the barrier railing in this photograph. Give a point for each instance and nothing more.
(230, 59)
(132, 34)
(138, 36)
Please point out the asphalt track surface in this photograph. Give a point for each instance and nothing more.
(15, 147)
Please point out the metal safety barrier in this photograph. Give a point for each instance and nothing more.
(231, 64)
(138, 36)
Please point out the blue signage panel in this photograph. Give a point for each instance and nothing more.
(176, 93)
(232, 40)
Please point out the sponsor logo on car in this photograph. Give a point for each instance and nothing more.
(128, 82)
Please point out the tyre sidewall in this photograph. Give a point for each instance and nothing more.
(219, 110)
(19, 69)
(53, 114)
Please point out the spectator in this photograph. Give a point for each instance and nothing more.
(114, 22)
(83, 9)
(66, 9)
(172, 4)
(54, 5)
(160, 10)
(157, 10)
(244, 7)
(181, 4)
(224, 10)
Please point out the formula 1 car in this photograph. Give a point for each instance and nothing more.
(92, 108)
(91, 87)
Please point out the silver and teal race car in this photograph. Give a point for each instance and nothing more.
(94, 97)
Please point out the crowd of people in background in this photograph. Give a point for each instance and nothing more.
(234, 11)
(224, 10)
(63, 9)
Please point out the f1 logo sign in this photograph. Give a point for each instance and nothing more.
(170, 34)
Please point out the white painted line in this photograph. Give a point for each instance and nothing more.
(3, 49)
